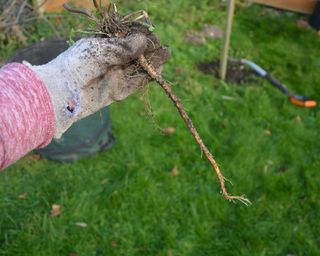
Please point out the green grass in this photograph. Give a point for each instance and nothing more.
(125, 195)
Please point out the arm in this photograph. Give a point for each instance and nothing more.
(27, 119)
(41, 102)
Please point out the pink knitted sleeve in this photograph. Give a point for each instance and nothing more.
(27, 119)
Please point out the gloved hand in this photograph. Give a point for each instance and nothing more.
(95, 72)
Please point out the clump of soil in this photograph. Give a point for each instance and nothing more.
(236, 72)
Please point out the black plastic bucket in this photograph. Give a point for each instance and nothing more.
(86, 137)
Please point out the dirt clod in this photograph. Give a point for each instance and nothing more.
(236, 72)
(169, 130)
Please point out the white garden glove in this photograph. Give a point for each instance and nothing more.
(95, 72)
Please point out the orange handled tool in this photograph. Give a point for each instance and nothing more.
(307, 103)
(297, 100)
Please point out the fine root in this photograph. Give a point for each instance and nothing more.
(177, 103)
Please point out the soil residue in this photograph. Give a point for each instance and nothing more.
(236, 72)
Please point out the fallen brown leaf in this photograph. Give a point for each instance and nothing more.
(179, 70)
(22, 196)
(114, 244)
(283, 169)
(72, 254)
(55, 210)
(34, 157)
(169, 130)
(81, 224)
(174, 172)
(298, 119)
(267, 132)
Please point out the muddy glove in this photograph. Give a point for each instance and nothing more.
(95, 72)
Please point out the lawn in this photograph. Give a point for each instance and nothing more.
(125, 202)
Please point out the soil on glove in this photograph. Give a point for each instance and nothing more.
(236, 72)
